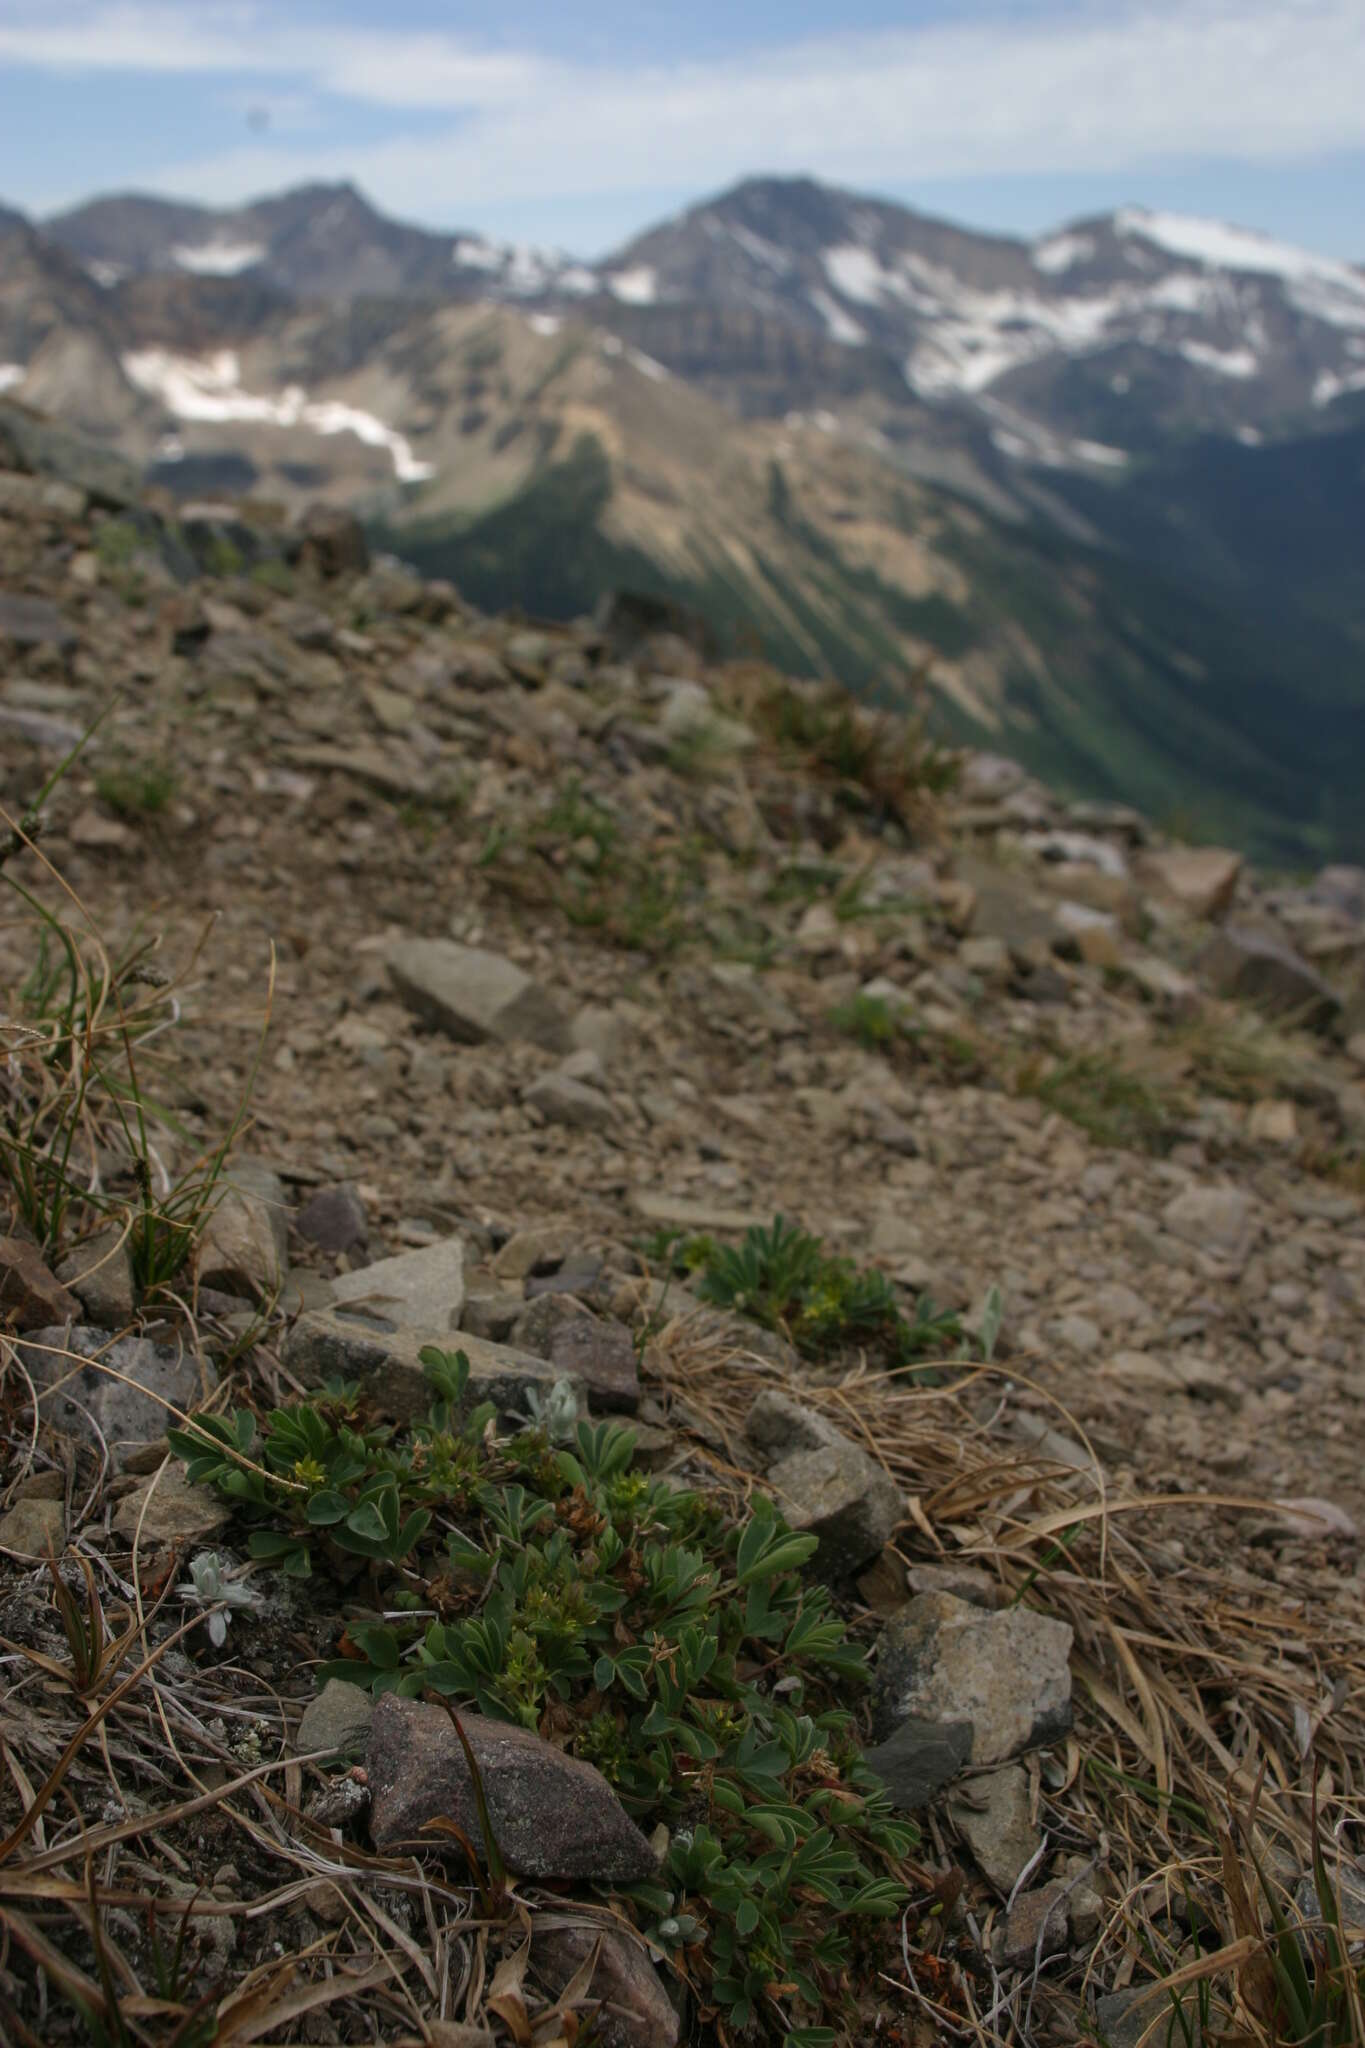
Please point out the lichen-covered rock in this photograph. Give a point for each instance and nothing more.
(1006, 1674)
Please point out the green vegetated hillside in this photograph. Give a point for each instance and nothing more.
(1164, 668)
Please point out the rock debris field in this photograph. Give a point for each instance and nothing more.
(437, 1044)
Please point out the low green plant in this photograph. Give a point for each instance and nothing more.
(786, 1279)
(138, 788)
(869, 1019)
(883, 761)
(1110, 1101)
(274, 574)
(574, 1591)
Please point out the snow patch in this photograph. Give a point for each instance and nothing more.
(1326, 387)
(12, 374)
(1224, 362)
(856, 274)
(1228, 248)
(544, 323)
(842, 326)
(1250, 437)
(637, 287)
(106, 275)
(480, 255)
(218, 259)
(1100, 452)
(1059, 252)
(209, 389)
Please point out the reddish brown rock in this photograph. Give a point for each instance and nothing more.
(553, 1816)
(634, 2009)
(30, 1297)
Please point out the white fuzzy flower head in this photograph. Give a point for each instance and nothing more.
(211, 1587)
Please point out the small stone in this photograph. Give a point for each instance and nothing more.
(882, 1587)
(986, 956)
(1272, 1123)
(919, 1759)
(177, 1514)
(1214, 1219)
(98, 1274)
(1202, 880)
(1272, 976)
(1006, 1674)
(474, 995)
(779, 1426)
(1034, 1926)
(994, 1815)
(30, 1297)
(334, 1219)
(1078, 1334)
(33, 622)
(98, 834)
(541, 1249)
(419, 1290)
(599, 1356)
(34, 1528)
(553, 1816)
(1141, 2016)
(492, 1315)
(842, 1496)
(635, 2010)
(562, 1100)
(337, 1721)
(245, 1246)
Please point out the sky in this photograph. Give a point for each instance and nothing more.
(577, 127)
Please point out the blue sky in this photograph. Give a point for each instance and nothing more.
(542, 122)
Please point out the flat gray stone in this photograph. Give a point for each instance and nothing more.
(553, 1816)
(421, 1289)
(33, 622)
(337, 1721)
(1213, 1219)
(473, 995)
(562, 1100)
(345, 1342)
(334, 1219)
(993, 1814)
(941, 1660)
(778, 1426)
(85, 1402)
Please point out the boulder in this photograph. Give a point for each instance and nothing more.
(473, 995)
(553, 1816)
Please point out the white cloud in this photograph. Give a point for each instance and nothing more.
(1093, 88)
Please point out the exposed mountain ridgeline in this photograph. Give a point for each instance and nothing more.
(1108, 485)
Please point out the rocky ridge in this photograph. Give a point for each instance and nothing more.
(580, 942)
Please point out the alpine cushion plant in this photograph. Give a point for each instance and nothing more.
(683, 1655)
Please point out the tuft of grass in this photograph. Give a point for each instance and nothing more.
(869, 1019)
(138, 788)
(882, 761)
(1111, 1102)
(274, 574)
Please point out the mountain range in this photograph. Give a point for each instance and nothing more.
(1104, 489)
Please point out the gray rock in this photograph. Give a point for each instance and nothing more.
(492, 1315)
(1270, 975)
(31, 1298)
(919, 1759)
(778, 1426)
(599, 1355)
(635, 2010)
(30, 441)
(542, 1248)
(1144, 2017)
(337, 1721)
(473, 995)
(842, 1496)
(941, 1660)
(1341, 889)
(417, 1290)
(345, 1341)
(35, 1528)
(562, 1100)
(993, 1814)
(1213, 1219)
(245, 1247)
(553, 1816)
(87, 1402)
(100, 1277)
(334, 1219)
(33, 622)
